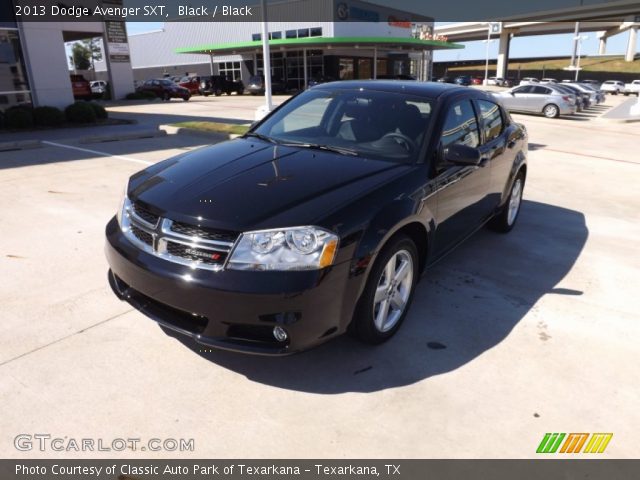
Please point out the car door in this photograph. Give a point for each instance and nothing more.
(496, 147)
(539, 97)
(518, 100)
(461, 191)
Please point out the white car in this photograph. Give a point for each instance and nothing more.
(548, 80)
(98, 86)
(612, 86)
(499, 81)
(529, 81)
(633, 88)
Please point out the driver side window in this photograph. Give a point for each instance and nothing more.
(461, 126)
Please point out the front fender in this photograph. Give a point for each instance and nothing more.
(384, 225)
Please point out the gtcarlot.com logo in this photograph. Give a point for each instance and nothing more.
(574, 443)
(45, 442)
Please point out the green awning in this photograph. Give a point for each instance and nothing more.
(388, 43)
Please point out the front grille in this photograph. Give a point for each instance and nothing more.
(204, 233)
(145, 214)
(141, 235)
(196, 254)
(181, 243)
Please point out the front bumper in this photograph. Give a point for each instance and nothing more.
(233, 310)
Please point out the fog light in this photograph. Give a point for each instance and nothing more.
(280, 334)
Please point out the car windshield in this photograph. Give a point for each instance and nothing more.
(373, 124)
(166, 83)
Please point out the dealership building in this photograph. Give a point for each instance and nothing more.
(354, 40)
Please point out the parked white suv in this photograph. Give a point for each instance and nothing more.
(612, 86)
(633, 87)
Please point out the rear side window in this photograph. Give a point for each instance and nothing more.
(525, 89)
(461, 126)
(491, 119)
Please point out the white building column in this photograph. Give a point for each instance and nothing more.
(375, 62)
(631, 46)
(211, 64)
(503, 54)
(304, 66)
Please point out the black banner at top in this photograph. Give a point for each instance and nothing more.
(12, 11)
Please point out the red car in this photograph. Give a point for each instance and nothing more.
(476, 81)
(192, 84)
(81, 87)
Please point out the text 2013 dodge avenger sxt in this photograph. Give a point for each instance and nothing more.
(320, 219)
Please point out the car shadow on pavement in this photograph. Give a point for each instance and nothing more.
(464, 306)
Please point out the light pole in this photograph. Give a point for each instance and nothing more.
(492, 27)
(486, 64)
(579, 40)
(266, 58)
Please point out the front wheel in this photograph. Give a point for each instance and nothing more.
(504, 221)
(551, 111)
(388, 292)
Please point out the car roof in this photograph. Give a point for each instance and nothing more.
(411, 87)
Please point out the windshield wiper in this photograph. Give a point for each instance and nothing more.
(328, 148)
(260, 136)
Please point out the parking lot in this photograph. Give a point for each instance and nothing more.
(509, 337)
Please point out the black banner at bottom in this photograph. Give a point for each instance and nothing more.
(547, 469)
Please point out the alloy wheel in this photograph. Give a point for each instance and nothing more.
(393, 291)
(514, 201)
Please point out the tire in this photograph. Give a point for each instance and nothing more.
(206, 94)
(166, 97)
(369, 324)
(505, 220)
(217, 93)
(186, 99)
(240, 91)
(551, 111)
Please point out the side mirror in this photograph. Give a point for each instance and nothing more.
(459, 154)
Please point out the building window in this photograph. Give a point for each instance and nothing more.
(303, 33)
(291, 34)
(230, 70)
(256, 37)
(14, 87)
(315, 32)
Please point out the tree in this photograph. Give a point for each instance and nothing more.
(85, 53)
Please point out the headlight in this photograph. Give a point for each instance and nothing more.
(297, 248)
(124, 207)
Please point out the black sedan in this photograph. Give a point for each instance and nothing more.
(319, 220)
(164, 89)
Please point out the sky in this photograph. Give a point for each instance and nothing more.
(534, 46)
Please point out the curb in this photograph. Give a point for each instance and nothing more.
(122, 136)
(217, 136)
(20, 145)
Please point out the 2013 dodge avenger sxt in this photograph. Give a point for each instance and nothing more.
(320, 219)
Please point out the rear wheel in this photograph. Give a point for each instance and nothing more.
(551, 111)
(217, 92)
(388, 292)
(504, 221)
(166, 97)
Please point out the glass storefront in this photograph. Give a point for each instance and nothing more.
(288, 67)
(14, 87)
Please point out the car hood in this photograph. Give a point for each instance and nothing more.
(249, 184)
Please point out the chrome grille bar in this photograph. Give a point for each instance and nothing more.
(161, 234)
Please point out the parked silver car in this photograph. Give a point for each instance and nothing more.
(538, 99)
(596, 96)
